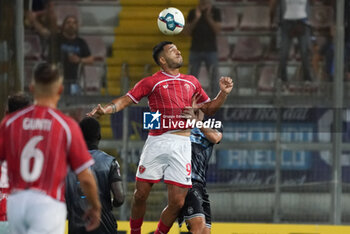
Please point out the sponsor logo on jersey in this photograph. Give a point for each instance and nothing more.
(151, 120)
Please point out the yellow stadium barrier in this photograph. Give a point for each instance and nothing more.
(248, 228)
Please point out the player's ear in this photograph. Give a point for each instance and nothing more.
(162, 60)
(60, 89)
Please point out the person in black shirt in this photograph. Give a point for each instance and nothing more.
(18, 101)
(203, 24)
(196, 210)
(71, 51)
(107, 174)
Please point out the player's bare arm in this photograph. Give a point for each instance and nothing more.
(210, 108)
(89, 187)
(213, 135)
(118, 193)
(116, 105)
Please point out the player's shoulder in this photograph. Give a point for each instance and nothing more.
(151, 79)
(4, 120)
(102, 157)
(99, 153)
(11, 117)
(190, 78)
(64, 119)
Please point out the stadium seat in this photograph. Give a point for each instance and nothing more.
(97, 47)
(267, 76)
(224, 48)
(255, 18)
(247, 48)
(92, 79)
(229, 18)
(274, 54)
(62, 11)
(321, 17)
(32, 47)
(203, 77)
(245, 76)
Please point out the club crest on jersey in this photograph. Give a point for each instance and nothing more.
(187, 86)
(165, 86)
(142, 169)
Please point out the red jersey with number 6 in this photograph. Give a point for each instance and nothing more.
(39, 143)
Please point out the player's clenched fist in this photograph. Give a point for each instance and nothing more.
(226, 84)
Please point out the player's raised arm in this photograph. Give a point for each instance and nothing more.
(116, 105)
(226, 85)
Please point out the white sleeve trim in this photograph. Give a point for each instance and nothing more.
(132, 98)
(208, 100)
(84, 166)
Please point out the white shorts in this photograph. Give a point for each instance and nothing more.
(4, 229)
(33, 212)
(166, 156)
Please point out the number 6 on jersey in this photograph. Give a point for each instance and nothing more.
(29, 151)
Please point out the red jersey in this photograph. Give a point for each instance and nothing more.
(39, 143)
(4, 190)
(169, 95)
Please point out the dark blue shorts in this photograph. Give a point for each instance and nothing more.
(196, 205)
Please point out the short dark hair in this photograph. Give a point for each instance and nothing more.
(17, 101)
(159, 48)
(91, 130)
(46, 73)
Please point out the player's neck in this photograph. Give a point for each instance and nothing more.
(50, 102)
(173, 72)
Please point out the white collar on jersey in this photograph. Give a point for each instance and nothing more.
(177, 76)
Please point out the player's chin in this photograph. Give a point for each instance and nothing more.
(179, 64)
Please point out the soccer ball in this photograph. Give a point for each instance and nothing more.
(171, 21)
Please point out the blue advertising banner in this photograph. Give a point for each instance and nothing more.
(256, 167)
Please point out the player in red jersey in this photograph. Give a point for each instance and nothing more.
(15, 102)
(167, 151)
(39, 143)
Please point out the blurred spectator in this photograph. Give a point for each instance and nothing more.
(203, 24)
(293, 22)
(327, 50)
(18, 101)
(71, 52)
(327, 53)
(44, 22)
